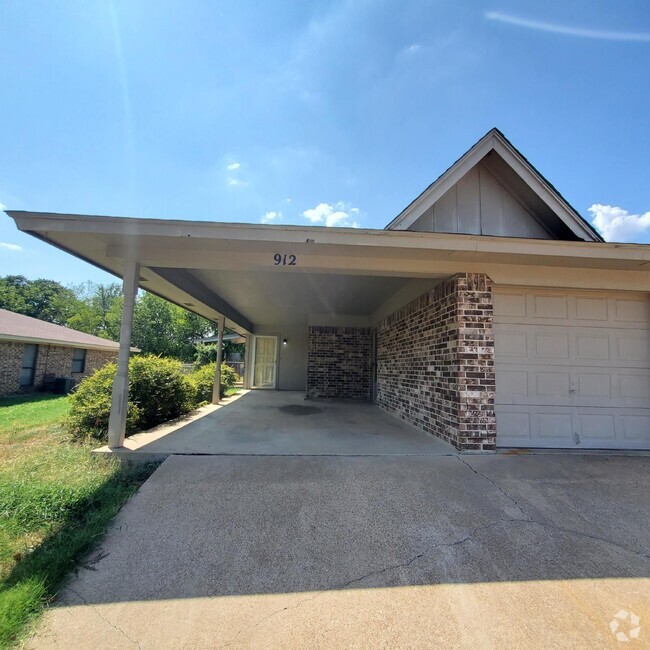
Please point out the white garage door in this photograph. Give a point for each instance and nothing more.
(572, 369)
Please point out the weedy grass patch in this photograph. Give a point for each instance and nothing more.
(56, 502)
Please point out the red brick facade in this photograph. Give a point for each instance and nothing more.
(50, 360)
(435, 362)
(339, 363)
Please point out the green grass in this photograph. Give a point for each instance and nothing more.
(56, 501)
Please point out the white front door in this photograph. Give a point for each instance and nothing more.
(264, 366)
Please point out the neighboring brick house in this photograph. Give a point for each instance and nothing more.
(34, 352)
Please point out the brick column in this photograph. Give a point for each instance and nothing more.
(435, 362)
(475, 353)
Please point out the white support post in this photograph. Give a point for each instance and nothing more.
(248, 355)
(120, 398)
(217, 373)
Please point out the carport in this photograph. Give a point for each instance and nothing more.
(283, 423)
(405, 319)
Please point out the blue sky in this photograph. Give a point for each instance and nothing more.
(334, 113)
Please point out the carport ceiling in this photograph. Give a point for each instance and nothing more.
(271, 298)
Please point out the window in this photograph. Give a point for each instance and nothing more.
(30, 352)
(78, 360)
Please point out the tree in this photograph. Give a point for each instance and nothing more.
(46, 300)
(162, 328)
(100, 310)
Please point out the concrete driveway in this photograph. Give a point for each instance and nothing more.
(284, 423)
(497, 551)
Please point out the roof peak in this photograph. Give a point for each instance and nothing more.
(495, 140)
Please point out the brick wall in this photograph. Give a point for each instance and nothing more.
(339, 363)
(11, 361)
(435, 362)
(51, 360)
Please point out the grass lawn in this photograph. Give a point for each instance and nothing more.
(56, 501)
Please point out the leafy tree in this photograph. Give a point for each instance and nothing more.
(161, 328)
(46, 300)
(100, 310)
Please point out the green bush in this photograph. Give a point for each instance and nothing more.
(90, 406)
(158, 391)
(203, 380)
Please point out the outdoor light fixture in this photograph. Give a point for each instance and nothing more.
(284, 341)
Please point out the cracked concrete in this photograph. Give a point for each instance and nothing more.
(518, 551)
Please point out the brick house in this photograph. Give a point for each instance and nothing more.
(488, 312)
(34, 352)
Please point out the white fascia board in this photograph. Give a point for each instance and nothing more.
(345, 238)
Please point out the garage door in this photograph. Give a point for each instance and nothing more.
(572, 369)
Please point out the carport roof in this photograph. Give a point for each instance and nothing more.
(195, 263)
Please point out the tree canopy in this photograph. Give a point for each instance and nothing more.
(159, 327)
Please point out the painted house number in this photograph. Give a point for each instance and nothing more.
(284, 260)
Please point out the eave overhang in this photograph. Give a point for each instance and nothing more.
(166, 248)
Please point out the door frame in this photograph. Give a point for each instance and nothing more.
(275, 361)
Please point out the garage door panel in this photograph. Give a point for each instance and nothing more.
(512, 382)
(633, 346)
(636, 427)
(593, 346)
(591, 309)
(551, 344)
(598, 427)
(549, 306)
(514, 427)
(572, 346)
(556, 384)
(557, 425)
(631, 311)
(513, 343)
(572, 370)
(548, 427)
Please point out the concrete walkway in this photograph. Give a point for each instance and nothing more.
(284, 423)
(330, 552)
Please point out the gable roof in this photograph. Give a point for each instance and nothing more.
(25, 329)
(494, 140)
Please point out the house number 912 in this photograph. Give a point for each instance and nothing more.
(284, 260)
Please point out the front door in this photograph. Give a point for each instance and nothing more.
(264, 367)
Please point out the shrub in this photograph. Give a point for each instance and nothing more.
(203, 380)
(158, 391)
(205, 353)
(90, 406)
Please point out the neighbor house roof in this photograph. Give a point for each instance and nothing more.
(495, 141)
(25, 329)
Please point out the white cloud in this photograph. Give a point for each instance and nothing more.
(10, 247)
(566, 30)
(235, 182)
(617, 224)
(338, 215)
(271, 216)
(233, 166)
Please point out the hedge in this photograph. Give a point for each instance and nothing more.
(158, 392)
